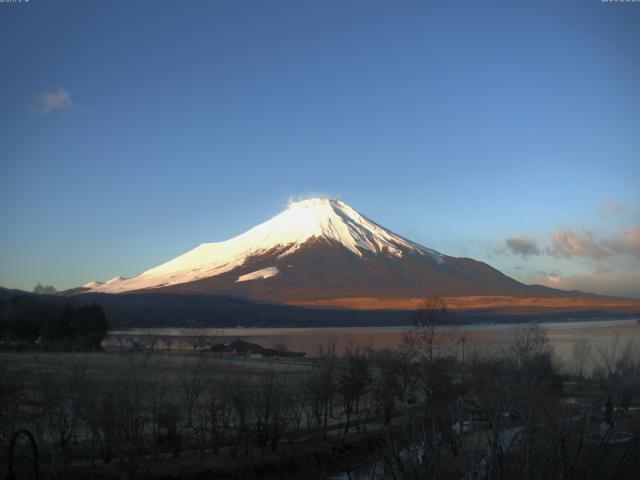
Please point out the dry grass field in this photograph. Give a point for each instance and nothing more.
(504, 304)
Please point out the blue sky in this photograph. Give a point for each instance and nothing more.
(505, 131)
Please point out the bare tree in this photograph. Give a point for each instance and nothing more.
(581, 353)
(240, 417)
(192, 385)
(617, 369)
(270, 409)
(11, 395)
(133, 392)
(100, 416)
(530, 355)
(323, 386)
(388, 388)
(299, 396)
(218, 412)
(353, 381)
(431, 331)
(61, 393)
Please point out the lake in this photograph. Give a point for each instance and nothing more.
(485, 337)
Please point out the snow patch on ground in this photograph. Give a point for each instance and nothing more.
(259, 274)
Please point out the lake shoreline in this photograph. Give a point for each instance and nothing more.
(501, 322)
(479, 337)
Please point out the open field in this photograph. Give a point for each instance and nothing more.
(155, 390)
(497, 304)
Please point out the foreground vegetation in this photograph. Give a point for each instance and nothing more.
(421, 410)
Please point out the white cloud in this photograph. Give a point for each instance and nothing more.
(569, 243)
(626, 242)
(50, 100)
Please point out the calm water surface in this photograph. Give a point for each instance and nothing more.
(562, 335)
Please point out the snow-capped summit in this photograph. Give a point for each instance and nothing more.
(336, 221)
(312, 220)
(317, 250)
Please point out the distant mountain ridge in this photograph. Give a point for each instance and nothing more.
(140, 310)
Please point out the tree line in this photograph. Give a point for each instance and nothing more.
(34, 321)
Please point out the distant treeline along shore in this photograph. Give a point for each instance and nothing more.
(35, 321)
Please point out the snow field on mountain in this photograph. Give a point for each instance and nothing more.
(301, 222)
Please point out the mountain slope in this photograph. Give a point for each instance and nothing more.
(323, 270)
(320, 249)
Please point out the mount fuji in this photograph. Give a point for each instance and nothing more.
(320, 251)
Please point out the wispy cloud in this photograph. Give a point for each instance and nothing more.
(626, 242)
(611, 207)
(603, 282)
(50, 100)
(522, 245)
(569, 243)
(311, 195)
